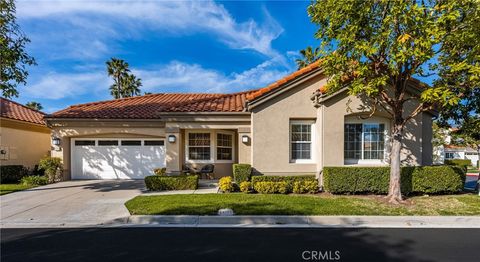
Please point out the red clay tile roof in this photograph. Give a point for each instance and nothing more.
(283, 81)
(150, 106)
(13, 110)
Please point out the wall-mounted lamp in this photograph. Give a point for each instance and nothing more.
(245, 139)
(56, 141)
(172, 138)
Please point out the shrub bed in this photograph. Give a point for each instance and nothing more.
(182, 182)
(34, 180)
(414, 180)
(242, 172)
(12, 173)
(280, 187)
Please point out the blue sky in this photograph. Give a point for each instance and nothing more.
(172, 46)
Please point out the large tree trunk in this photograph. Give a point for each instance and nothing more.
(394, 191)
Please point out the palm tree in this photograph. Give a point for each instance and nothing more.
(124, 84)
(131, 86)
(34, 105)
(309, 55)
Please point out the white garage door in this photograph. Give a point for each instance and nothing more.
(111, 158)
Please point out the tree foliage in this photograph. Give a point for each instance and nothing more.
(309, 55)
(375, 48)
(125, 84)
(34, 105)
(13, 57)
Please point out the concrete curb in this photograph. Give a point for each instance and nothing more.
(308, 221)
(269, 221)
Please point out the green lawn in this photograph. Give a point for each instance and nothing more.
(257, 204)
(10, 188)
(473, 171)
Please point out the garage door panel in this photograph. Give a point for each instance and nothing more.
(116, 162)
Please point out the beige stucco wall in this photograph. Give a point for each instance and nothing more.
(334, 112)
(271, 125)
(25, 144)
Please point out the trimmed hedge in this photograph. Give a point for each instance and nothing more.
(414, 180)
(288, 179)
(242, 172)
(280, 187)
(12, 173)
(458, 162)
(182, 182)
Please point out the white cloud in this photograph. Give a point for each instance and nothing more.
(178, 77)
(82, 22)
(55, 85)
(183, 77)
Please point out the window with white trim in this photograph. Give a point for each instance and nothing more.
(301, 140)
(449, 155)
(199, 146)
(364, 141)
(224, 146)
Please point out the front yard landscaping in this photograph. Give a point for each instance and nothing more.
(10, 188)
(321, 204)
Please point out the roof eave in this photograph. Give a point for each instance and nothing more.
(285, 87)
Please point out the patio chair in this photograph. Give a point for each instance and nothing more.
(186, 169)
(207, 170)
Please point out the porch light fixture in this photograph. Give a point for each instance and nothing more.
(245, 139)
(172, 138)
(56, 141)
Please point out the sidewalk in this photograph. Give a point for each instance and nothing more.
(273, 221)
(308, 221)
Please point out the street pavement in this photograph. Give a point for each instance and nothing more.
(239, 244)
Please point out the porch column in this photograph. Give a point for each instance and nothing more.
(244, 148)
(173, 150)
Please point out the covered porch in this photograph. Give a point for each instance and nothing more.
(194, 146)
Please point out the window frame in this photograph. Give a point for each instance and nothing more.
(232, 135)
(312, 158)
(213, 146)
(362, 160)
(187, 147)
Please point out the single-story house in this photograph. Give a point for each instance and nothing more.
(286, 128)
(460, 152)
(24, 136)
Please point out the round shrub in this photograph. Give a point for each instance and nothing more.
(246, 187)
(226, 184)
(53, 168)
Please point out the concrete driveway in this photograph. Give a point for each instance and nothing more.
(70, 203)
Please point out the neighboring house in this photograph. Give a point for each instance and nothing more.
(287, 128)
(459, 152)
(24, 137)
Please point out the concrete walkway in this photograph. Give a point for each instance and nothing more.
(73, 203)
(307, 221)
